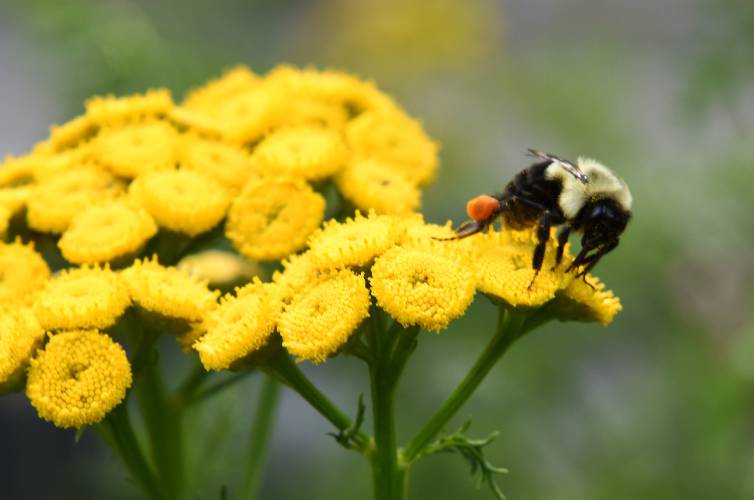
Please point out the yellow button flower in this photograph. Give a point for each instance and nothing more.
(218, 268)
(239, 326)
(371, 184)
(168, 292)
(79, 377)
(273, 217)
(82, 298)
(17, 172)
(233, 82)
(355, 242)
(107, 232)
(54, 202)
(418, 287)
(104, 110)
(181, 200)
(299, 273)
(503, 267)
(397, 140)
(20, 335)
(245, 117)
(71, 133)
(311, 111)
(305, 151)
(137, 148)
(321, 320)
(23, 273)
(225, 163)
(586, 302)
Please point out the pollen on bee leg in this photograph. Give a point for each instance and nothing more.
(482, 207)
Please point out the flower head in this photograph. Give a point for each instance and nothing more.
(355, 242)
(168, 292)
(55, 201)
(228, 164)
(299, 273)
(503, 267)
(71, 133)
(184, 201)
(20, 335)
(104, 110)
(106, 232)
(213, 93)
(419, 287)
(137, 148)
(219, 268)
(273, 217)
(79, 377)
(369, 183)
(23, 273)
(82, 298)
(322, 318)
(586, 301)
(395, 139)
(239, 326)
(304, 151)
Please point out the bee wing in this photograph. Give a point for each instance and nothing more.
(567, 165)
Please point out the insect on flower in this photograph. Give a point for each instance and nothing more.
(586, 197)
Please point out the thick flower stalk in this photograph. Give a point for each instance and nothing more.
(205, 220)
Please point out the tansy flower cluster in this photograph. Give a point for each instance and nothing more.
(402, 265)
(257, 149)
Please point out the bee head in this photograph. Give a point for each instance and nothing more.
(604, 222)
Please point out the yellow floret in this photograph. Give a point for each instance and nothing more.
(503, 267)
(328, 86)
(273, 217)
(137, 148)
(418, 287)
(81, 298)
(71, 133)
(355, 242)
(20, 335)
(299, 273)
(240, 118)
(369, 183)
(79, 377)
(225, 163)
(23, 273)
(320, 321)
(234, 81)
(106, 232)
(239, 326)
(168, 292)
(589, 301)
(181, 200)
(218, 268)
(397, 140)
(54, 202)
(306, 151)
(297, 111)
(18, 172)
(104, 110)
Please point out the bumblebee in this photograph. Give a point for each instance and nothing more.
(585, 197)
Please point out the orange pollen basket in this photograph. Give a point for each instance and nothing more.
(482, 207)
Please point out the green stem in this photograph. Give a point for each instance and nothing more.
(259, 437)
(218, 387)
(190, 386)
(509, 327)
(284, 369)
(162, 419)
(119, 434)
(387, 474)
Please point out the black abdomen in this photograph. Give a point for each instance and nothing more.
(528, 195)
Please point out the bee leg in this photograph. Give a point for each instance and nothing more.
(543, 235)
(466, 229)
(579, 260)
(592, 260)
(562, 240)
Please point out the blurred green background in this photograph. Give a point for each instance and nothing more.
(658, 405)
